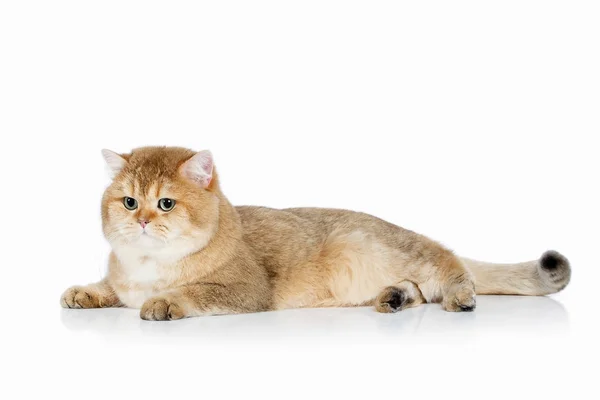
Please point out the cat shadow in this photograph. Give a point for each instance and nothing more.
(495, 315)
(504, 315)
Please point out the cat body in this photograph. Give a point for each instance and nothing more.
(180, 249)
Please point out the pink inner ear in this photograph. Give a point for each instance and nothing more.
(199, 168)
(207, 166)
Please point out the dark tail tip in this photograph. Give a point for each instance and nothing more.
(557, 270)
(553, 260)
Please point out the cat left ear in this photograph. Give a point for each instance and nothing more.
(114, 162)
(199, 168)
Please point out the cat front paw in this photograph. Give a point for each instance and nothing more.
(161, 309)
(79, 297)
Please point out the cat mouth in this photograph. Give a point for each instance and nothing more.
(147, 237)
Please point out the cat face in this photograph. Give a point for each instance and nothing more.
(160, 198)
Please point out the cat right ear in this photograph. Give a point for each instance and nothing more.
(114, 162)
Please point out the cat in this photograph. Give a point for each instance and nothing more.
(180, 249)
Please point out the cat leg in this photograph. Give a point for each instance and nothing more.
(205, 299)
(398, 297)
(95, 295)
(457, 285)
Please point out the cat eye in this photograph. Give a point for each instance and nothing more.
(130, 203)
(166, 204)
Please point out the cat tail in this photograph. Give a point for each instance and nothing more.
(550, 274)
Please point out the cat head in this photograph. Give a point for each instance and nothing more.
(161, 198)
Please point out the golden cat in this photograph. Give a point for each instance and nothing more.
(180, 249)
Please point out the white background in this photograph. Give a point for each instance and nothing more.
(473, 122)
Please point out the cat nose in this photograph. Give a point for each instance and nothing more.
(143, 223)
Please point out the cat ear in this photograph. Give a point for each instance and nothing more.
(114, 162)
(199, 168)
